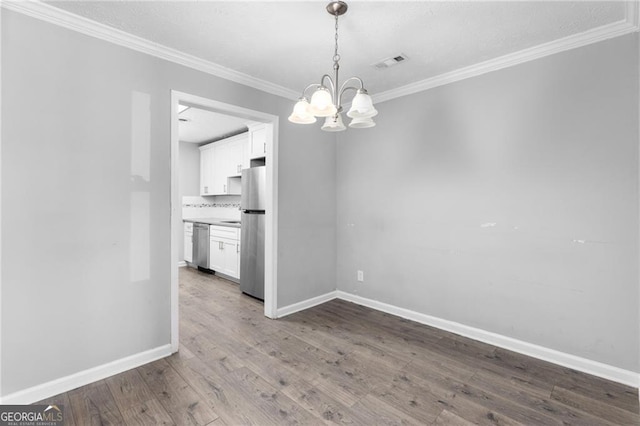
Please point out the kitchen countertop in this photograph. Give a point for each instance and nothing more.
(214, 221)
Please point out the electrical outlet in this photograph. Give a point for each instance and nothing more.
(360, 276)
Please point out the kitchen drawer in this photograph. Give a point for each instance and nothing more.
(232, 241)
(223, 232)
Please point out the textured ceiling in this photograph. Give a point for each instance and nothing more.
(203, 126)
(291, 43)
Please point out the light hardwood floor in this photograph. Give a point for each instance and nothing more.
(337, 363)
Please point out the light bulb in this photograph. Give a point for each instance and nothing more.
(362, 123)
(362, 106)
(333, 124)
(300, 114)
(322, 103)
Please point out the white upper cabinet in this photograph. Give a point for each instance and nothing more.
(246, 154)
(221, 165)
(206, 170)
(258, 140)
(235, 155)
(220, 168)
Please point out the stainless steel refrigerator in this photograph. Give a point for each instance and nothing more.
(252, 204)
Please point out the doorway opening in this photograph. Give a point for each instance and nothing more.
(179, 101)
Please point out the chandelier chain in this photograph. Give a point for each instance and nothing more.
(336, 56)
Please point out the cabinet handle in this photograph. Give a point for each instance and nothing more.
(206, 189)
(220, 246)
(239, 168)
(225, 188)
(237, 248)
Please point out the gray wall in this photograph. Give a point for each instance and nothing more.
(307, 224)
(507, 202)
(85, 199)
(189, 169)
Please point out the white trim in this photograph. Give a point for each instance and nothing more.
(60, 17)
(632, 13)
(271, 222)
(594, 35)
(271, 213)
(182, 264)
(595, 368)
(73, 381)
(68, 20)
(306, 304)
(174, 222)
(0, 203)
(637, 22)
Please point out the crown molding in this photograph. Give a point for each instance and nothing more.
(629, 25)
(632, 13)
(54, 15)
(51, 14)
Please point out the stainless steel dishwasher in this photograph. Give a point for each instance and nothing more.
(201, 245)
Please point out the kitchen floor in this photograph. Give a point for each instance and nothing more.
(336, 363)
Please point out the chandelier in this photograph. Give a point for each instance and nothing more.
(326, 100)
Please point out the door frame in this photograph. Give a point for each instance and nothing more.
(271, 213)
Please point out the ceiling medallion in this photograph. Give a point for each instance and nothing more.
(326, 100)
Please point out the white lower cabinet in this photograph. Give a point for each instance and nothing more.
(224, 257)
(188, 242)
(224, 250)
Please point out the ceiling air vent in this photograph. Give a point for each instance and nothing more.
(390, 62)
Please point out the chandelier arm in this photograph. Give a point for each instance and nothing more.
(358, 79)
(309, 87)
(344, 87)
(331, 83)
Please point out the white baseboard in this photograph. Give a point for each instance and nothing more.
(228, 277)
(65, 384)
(305, 304)
(595, 368)
(182, 263)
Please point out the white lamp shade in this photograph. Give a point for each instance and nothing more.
(362, 107)
(322, 104)
(300, 114)
(362, 123)
(334, 124)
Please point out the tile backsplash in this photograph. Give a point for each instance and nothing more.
(223, 207)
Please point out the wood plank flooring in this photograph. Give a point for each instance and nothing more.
(338, 363)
